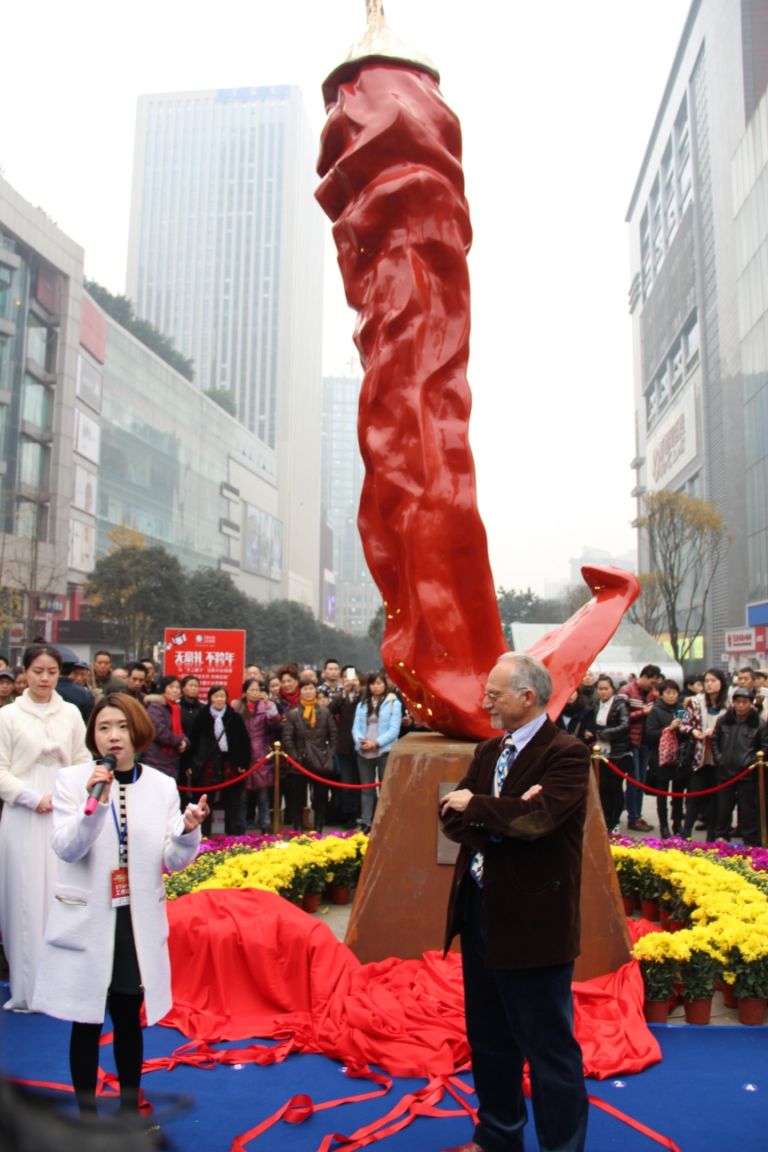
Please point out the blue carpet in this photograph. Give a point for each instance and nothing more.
(709, 1093)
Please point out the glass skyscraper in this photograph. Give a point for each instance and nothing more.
(225, 258)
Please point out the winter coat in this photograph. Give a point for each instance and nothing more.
(390, 715)
(76, 968)
(207, 758)
(262, 723)
(296, 732)
(343, 709)
(26, 730)
(163, 753)
(615, 732)
(735, 743)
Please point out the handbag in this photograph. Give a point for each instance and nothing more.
(315, 757)
(669, 748)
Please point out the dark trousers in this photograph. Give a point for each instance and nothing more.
(745, 798)
(128, 1047)
(514, 1014)
(635, 795)
(350, 798)
(702, 807)
(612, 788)
(295, 798)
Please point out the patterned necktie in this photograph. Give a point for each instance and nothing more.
(503, 764)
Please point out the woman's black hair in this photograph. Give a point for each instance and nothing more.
(164, 681)
(373, 703)
(42, 649)
(722, 696)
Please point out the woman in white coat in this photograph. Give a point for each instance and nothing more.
(106, 935)
(39, 734)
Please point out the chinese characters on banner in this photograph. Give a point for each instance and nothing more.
(215, 656)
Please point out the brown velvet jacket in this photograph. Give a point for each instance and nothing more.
(532, 874)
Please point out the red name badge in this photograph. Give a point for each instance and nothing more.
(121, 893)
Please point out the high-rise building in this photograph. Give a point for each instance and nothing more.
(98, 433)
(225, 257)
(357, 597)
(699, 270)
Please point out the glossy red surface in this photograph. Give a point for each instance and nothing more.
(393, 185)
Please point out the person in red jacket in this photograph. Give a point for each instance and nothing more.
(641, 693)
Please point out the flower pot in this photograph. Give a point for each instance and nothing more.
(726, 991)
(698, 1011)
(751, 1010)
(656, 1011)
(629, 905)
(664, 917)
(649, 909)
(338, 894)
(310, 901)
(675, 925)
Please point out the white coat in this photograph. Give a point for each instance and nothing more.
(78, 952)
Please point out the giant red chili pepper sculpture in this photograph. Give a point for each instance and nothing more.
(394, 187)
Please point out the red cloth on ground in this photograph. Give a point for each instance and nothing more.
(247, 963)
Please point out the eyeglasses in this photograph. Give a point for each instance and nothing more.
(495, 696)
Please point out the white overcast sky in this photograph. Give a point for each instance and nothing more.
(556, 100)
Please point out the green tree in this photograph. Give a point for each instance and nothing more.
(121, 310)
(213, 600)
(648, 610)
(224, 398)
(686, 538)
(142, 589)
(376, 626)
(528, 608)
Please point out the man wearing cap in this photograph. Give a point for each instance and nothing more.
(71, 687)
(7, 679)
(738, 736)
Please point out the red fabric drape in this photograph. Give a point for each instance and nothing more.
(247, 963)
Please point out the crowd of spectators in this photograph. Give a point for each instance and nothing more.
(341, 725)
(680, 742)
(331, 720)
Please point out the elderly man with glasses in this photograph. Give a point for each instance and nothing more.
(518, 815)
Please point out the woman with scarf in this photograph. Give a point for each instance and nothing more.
(704, 710)
(262, 723)
(288, 693)
(221, 751)
(164, 710)
(305, 725)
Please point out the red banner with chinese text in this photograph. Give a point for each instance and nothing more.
(214, 655)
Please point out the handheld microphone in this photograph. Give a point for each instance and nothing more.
(94, 794)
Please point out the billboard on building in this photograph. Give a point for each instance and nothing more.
(213, 655)
(262, 543)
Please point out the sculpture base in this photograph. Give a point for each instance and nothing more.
(402, 896)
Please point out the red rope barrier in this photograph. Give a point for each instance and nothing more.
(218, 785)
(325, 779)
(684, 795)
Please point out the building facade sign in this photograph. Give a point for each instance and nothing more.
(673, 444)
(745, 640)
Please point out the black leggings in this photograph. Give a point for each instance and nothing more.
(128, 1047)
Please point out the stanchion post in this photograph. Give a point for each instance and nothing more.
(277, 750)
(596, 758)
(761, 795)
